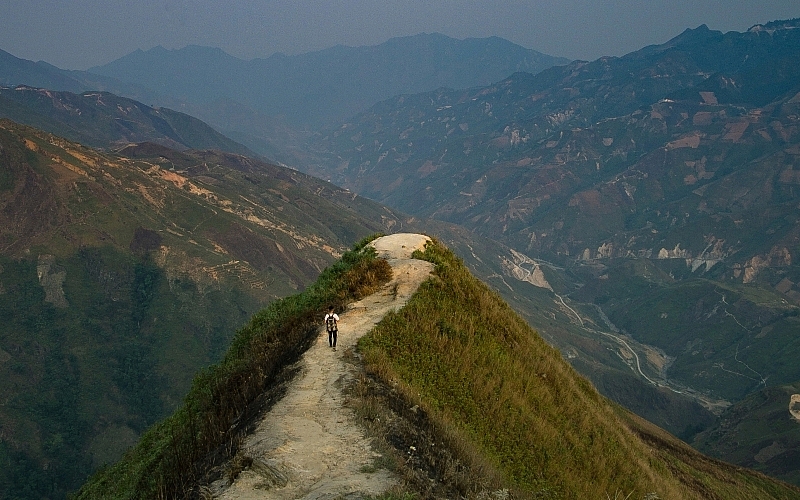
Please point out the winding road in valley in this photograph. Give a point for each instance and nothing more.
(713, 405)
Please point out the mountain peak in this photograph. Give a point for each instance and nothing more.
(691, 36)
(452, 377)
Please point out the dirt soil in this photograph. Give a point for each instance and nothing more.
(309, 445)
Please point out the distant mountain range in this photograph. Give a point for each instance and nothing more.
(15, 71)
(270, 104)
(329, 85)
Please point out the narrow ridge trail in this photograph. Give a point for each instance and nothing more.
(308, 445)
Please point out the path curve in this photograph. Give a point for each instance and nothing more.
(308, 446)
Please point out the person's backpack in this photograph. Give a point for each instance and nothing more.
(331, 322)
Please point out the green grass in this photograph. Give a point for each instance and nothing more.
(460, 353)
(477, 365)
(172, 456)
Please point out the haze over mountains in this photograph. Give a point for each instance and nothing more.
(266, 104)
(330, 85)
(640, 212)
(148, 258)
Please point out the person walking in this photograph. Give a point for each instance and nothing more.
(332, 325)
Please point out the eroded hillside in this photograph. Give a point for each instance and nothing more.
(121, 277)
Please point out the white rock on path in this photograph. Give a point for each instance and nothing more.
(309, 440)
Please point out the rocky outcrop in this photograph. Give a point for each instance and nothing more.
(523, 268)
(52, 280)
(778, 257)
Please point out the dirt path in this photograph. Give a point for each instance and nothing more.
(309, 446)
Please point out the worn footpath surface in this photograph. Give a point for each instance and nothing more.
(308, 445)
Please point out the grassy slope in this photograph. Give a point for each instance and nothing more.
(474, 365)
(173, 455)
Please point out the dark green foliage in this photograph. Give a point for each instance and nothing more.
(146, 279)
(25, 478)
(56, 402)
(6, 178)
(758, 433)
(56, 407)
(111, 298)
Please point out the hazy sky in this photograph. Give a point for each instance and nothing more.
(77, 34)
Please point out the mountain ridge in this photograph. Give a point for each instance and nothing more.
(297, 93)
(431, 392)
(104, 120)
(647, 201)
(292, 94)
(121, 276)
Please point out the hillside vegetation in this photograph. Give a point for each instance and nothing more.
(757, 433)
(490, 384)
(121, 277)
(179, 452)
(453, 374)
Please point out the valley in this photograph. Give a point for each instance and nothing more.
(639, 212)
(641, 358)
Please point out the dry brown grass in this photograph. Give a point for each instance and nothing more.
(431, 462)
